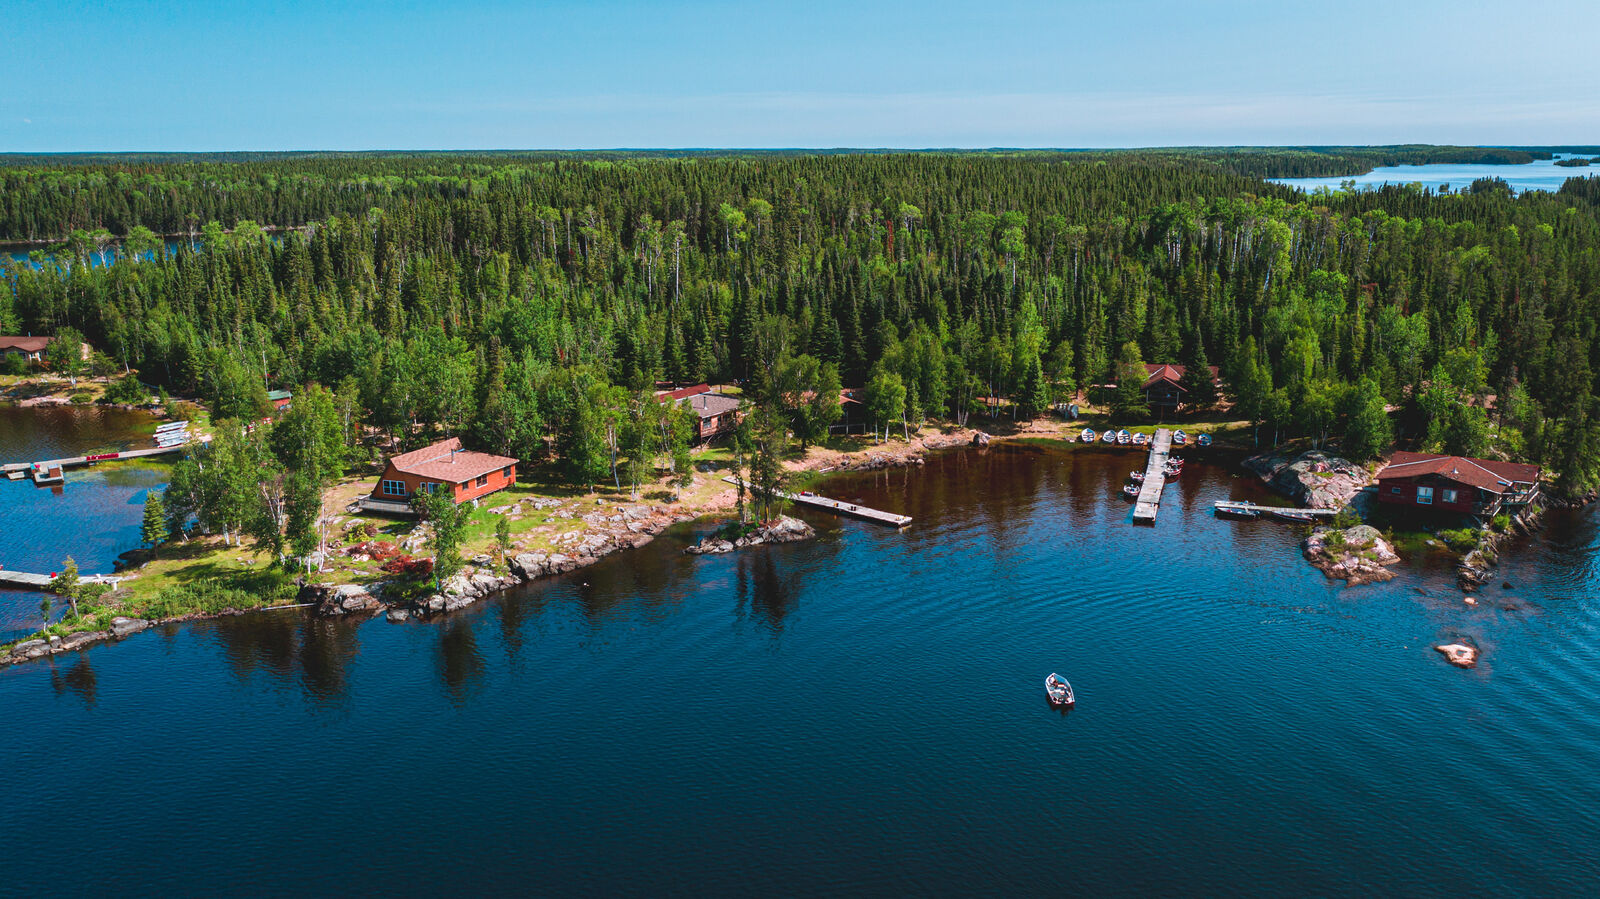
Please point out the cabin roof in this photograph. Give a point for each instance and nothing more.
(447, 462)
(1167, 371)
(279, 395)
(707, 405)
(25, 344)
(1487, 474)
(682, 393)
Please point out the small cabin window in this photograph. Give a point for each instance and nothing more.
(429, 487)
(1449, 496)
(483, 480)
(1424, 496)
(394, 488)
(1394, 490)
(506, 472)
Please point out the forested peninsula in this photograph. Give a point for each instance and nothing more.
(500, 297)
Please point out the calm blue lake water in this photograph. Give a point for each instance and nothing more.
(860, 715)
(93, 517)
(23, 252)
(1541, 174)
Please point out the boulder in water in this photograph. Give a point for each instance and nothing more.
(1460, 654)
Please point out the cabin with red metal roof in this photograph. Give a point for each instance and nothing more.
(1163, 390)
(715, 413)
(445, 465)
(1457, 483)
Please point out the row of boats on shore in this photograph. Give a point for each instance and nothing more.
(173, 433)
(1138, 438)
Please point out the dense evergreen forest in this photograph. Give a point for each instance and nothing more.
(520, 299)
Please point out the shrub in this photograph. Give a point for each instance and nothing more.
(408, 566)
(1501, 523)
(82, 399)
(126, 390)
(211, 597)
(1460, 539)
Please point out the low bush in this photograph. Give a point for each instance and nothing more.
(1461, 539)
(81, 399)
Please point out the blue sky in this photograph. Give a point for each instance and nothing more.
(476, 74)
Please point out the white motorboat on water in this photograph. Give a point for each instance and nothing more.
(1059, 691)
(1089, 435)
(1123, 436)
(1140, 438)
(1109, 437)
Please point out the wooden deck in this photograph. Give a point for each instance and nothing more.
(30, 581)
(834, 505)
(1155, 478)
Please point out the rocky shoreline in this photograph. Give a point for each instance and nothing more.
(1358, 555)
(1314, 478)
(783, 530)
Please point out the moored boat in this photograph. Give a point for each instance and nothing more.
(1140, 438)
(1123, 436)
(1088, 435)
(1294, 516)
(1136, 476)
(1179, 438)
(1131, 491)
(1234, 509)
(171, 426)
(1059, 691)
(1109, 437)
(1203, 440)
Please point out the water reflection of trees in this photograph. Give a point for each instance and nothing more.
(78, 678)
(290, 648)
(458, 659)
(766, 591)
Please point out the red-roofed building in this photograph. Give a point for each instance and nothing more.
(1162, 388)
(715, 413)
(1457, 483)
(468, 475)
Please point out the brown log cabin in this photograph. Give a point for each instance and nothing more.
(1457, 484)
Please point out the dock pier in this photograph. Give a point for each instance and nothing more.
(53, 471)
(833, 505)
(44, 582)
(1155, 478)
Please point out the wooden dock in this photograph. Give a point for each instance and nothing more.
(1280, 512)
(42, 582)
(51, 464)
(1155, 478)
(833, 505)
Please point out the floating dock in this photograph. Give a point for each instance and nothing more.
(833, 505)
(1155, 478)
(43, 582)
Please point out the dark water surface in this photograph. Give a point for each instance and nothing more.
(861, 714)
(93, 517)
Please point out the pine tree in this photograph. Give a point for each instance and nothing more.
(154, 529)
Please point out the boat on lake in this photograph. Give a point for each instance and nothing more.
(1227, 508)
(1179, 438)
(1123, 436)
(1136, 476)
(1140, 438)
(1109, 437)
(1293, 516)
(1089, 435)
(1131, 491)
(1203, 440)
(1059, 691)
